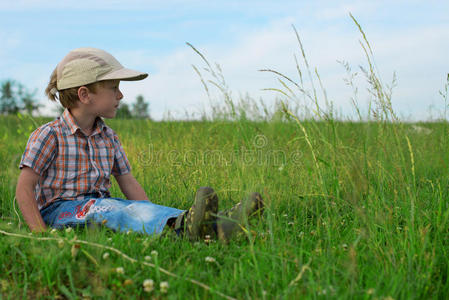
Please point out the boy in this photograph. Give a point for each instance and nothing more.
(67, 164)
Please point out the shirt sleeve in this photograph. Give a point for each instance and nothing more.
(121, 163)
(40, 150)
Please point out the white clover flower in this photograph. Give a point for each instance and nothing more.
(9, 223)
(147, 258)
(53, 231)
(209, 259)
(148, 285)
(120, 270)
(154, 253)
(68, 229)
(207, 239)
(164, 287)
(60, 243)
(106, 255)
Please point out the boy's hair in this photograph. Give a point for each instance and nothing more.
(85, 67)
(67, 97)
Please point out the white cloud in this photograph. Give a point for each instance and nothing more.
(174, 86)
(417, 53)
(410, 54)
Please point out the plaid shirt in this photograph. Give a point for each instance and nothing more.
(71, 164)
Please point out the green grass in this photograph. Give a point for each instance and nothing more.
(361, 221)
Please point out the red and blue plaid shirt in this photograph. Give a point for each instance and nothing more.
(71, 164)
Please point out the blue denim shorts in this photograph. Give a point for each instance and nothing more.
(114, 213)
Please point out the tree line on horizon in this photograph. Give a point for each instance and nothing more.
(17, 98)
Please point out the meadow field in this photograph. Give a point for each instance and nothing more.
(354, 209)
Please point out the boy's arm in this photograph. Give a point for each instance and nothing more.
(130, 187)
(27, 203)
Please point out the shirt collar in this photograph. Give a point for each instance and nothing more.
(69, 122)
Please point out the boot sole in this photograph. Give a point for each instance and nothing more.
(202, 216)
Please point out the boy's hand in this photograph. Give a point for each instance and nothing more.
(27, 203)
(130, 187)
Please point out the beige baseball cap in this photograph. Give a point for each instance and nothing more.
(88, 65)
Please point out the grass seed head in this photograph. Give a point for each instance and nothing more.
(75, 249)
(127, 282)
(5, 285)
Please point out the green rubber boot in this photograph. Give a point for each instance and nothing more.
(230, 222)
(198, 222)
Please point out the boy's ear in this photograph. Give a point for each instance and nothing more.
(83, 95)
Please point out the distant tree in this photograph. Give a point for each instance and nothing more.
(8, 97)
(15, 97)
(30, 104)
(140, 108)
(123, 112)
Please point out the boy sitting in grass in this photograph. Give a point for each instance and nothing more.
(67, 164)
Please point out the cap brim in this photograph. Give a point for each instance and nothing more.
(124, 74)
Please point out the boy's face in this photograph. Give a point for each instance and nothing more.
(107, 98)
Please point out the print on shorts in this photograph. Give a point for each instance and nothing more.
(81, 213)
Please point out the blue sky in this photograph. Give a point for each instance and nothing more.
(410, 38)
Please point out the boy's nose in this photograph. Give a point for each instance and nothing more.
(120, 95)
